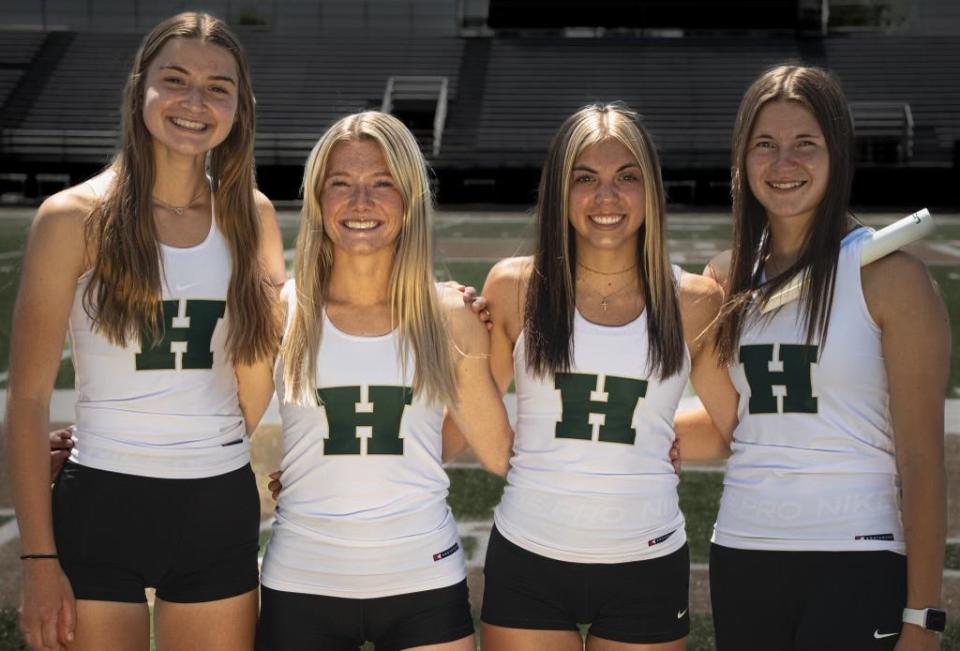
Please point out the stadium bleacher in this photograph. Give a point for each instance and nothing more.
(518, 90)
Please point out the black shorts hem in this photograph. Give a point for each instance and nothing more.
(211, 594)
(423, 640)
(633, 638)
(108, 594)
(531, 624)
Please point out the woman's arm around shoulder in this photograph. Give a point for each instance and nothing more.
(479, 413)
(55, 258)
(915, 334)
(705, 433)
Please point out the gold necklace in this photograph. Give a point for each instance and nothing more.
(178, 209)
(607, 273)
(604, 303)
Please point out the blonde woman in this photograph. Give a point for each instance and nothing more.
(163, 277)
(364, 546)
(600, 335)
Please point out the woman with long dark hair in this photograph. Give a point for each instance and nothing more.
(164, 273)
(832, 520)
(601, 335)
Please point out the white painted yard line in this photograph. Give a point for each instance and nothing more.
(11, 255)
(9, 531)
(6, 512)
(947, 249)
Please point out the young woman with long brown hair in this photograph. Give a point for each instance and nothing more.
(163, 268)
(601, 335)
(832, 520)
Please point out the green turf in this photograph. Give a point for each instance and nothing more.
(473, 493)
(699, 501)
(951, 560)
(10, 638)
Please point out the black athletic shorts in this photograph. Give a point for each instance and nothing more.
(194, 540)
(806, 601)
(291, 621)
(640, 602)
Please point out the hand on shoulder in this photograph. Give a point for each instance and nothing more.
(505, 290)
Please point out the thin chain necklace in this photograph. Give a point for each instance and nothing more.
(179, 209)
(604, 298)
(607, 273)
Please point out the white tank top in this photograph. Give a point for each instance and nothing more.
(363, 509)
(590, 480)
(813, 464)
(170, 410)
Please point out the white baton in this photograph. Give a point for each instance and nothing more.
(883, 242)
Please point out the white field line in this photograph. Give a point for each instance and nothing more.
(9, 531)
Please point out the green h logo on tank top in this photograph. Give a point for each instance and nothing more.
(365, 419)
(797, 361)
(598, 407)
(188, 327)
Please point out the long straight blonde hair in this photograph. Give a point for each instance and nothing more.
(415, 308)
(123, 296)
(551, 297)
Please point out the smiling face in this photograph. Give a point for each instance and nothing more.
(606, 200)
(360, 202)
(787, 161)
(190, 96)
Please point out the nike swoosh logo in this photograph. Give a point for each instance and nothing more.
(681, 613)
(182, 288)
(877, 635)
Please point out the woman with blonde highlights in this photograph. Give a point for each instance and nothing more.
(364, 546)
(832, 523)
(164, 275)
(600, 334)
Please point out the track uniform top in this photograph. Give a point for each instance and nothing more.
(590, 480)
(363, 511)
(169, 410)
(813, 464)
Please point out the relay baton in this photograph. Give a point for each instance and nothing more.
(882, 242)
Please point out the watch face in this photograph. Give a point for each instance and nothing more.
(936, 619)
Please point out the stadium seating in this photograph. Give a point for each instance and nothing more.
(505, 95)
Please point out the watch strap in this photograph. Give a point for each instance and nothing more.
(922, 617)
(915, 616)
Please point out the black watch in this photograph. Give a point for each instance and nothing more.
(931, 619)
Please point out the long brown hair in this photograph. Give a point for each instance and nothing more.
(815, 89)
(415, 307)
(124, 291)
(551, 296)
